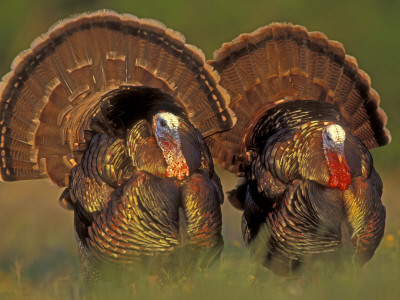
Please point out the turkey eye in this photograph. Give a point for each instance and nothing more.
(163, 123)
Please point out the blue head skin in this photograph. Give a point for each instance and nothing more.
(165, 127)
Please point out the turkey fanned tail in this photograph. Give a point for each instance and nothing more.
(306, 119)
(115, 109)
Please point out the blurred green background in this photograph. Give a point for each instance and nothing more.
(36, 235)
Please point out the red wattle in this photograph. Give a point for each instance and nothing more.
(339, 171)
(176, 162)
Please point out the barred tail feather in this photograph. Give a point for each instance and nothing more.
(280, 63)
(49, 98)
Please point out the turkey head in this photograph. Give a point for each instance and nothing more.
(333, 137)
(165, 128)
(306, 119)
(115, 108)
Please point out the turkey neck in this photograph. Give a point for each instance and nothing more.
(165, 129)
(287, 116)
(333, 137)
(176, 162)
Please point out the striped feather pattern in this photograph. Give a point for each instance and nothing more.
(53, 90)
(305, 194)
(130, 228)
(280, 63)
(116, 108)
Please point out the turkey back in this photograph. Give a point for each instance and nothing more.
(57, 88)
(281, 63)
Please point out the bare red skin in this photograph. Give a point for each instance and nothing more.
(176, 162)
(339, 171)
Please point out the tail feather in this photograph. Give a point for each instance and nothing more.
(280, 63)
(317, 66)
(169, 57)
(48, 99)
(336, 60)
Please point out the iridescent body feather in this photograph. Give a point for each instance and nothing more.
(85, 107)
(306, 118)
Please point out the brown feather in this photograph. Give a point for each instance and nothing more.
(287, 86)
(78, 107)
(282, 62)
(54, 87)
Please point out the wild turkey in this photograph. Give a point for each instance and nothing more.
(306, 117)
(114, 108)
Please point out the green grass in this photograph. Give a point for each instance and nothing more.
(38, 255)
(233, 278)
(369, 31)
(39, 259)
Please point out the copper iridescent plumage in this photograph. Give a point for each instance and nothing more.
(86, 107)
(306, 119)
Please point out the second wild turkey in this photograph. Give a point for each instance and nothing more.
(306, 117)
(115, 109)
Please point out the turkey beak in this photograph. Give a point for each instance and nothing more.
(173, 138)
(339, 150)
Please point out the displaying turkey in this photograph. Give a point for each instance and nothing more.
(114, 108)
(306, 117)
